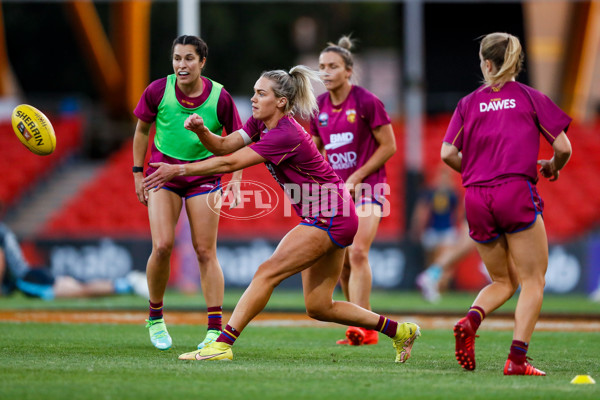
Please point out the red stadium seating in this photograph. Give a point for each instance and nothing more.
(107, 206)
(27, 169)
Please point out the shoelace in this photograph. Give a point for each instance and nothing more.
(150, 322)
(158, 334)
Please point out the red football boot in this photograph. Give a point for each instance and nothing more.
(371, 336)
(355, 335)
(464, 335)
(512, 368)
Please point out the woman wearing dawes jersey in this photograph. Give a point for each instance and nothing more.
(493, 141)
(167, 102)
(316, 246)
(355, 133)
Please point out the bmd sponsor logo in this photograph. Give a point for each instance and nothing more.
(339, 139)
(497, 104)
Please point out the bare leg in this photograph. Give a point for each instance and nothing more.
(318, 283)
(360, 280)
(463, 246)
(68, 287)
(345, 276)
(502, 271)
(449, 258)
(203, 224)
(310, 251)
(501, 268)
(529, 249)
(290, 257)
(164, 208)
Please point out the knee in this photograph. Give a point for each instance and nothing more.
(536, 281)
(316, 311)
(513, 285)
(163, 250)
(205, 254)
(359, 256)
(508, 284)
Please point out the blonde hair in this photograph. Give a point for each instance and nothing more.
(504, 51)
(295, 86)
(343, 47)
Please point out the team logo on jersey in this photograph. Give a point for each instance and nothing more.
(339, 139)
(351, 115)
(323, 119)
(497, 104)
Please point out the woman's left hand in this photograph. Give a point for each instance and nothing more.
(548, 170)
(163, 174)
(353, 183)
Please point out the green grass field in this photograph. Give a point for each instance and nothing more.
(382, 301)
(88, 361)
(109, 361)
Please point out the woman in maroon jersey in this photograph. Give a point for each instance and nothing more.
(493, 141)
(315, 248)
(166, 103)
(355, 134)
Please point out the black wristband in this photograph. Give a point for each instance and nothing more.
(137, 169)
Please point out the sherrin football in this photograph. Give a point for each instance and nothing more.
(33, 129)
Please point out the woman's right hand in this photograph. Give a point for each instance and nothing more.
(194, 123)
(140, 191)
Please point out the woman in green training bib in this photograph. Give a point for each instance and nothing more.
(167, 102)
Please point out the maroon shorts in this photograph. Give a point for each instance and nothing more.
(340, 228)
(186, 186)
(508, 207)
(373, 194)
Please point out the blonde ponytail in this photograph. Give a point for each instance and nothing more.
(504, 51)
(296, 87)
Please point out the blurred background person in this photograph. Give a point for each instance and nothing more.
(438, 224)
(17, 274)
(167, 102)
(355, 134)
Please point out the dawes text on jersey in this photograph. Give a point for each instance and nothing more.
(497, 104)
